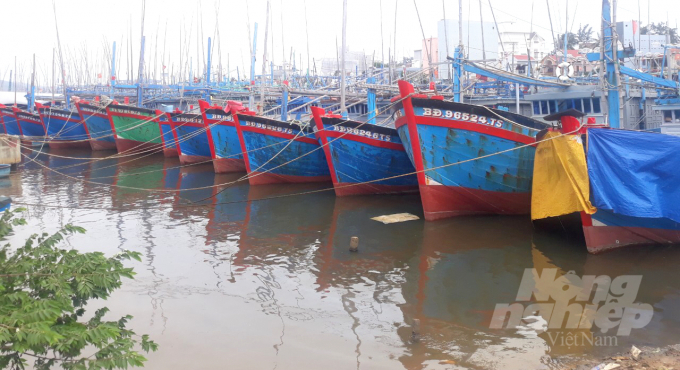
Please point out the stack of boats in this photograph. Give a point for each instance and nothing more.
(464, 159)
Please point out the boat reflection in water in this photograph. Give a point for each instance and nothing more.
(279, 263)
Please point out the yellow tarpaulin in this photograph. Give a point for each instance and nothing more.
(560, 184)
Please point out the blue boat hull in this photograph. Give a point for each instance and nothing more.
(169, 141)
(223, 139)
(98, 127)
(365, 159)
(11, 124)
(64, 128)
(275, 154)
(471, 159)
(193, 144)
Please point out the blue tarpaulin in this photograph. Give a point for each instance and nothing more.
(635, 173)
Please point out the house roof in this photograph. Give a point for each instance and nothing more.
(571, 53)
(523, 58)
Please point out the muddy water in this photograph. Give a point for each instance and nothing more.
(231, 280)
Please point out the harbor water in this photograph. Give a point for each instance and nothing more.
(252, 277)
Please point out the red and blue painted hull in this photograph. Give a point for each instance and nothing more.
(168, 135)
(32, 127)
(280, 152)
(192, 138)
(223, 139)
(97, 124)
(606, 230)
(10, 122)
(64, 128)
(448, 143)
(364, 158)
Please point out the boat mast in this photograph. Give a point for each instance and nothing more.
(61, 61)
(31, 103)
(610, 61)
(53, 52)
(264, 60)
(343, 108)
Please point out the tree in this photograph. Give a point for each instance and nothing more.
(584, 33)
(572, 41)
(660, 28)
(43, 294)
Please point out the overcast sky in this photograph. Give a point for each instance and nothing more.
(28, 27)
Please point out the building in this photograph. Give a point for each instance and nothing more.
(581, 66)
(649, 49)
(518, 42)
(476, 46)
(356, 63)
(520, 64)
(430, 46)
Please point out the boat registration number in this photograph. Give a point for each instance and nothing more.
(364, 133)
(459, 116)
(269, 127)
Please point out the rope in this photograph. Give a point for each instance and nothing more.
(306, 192)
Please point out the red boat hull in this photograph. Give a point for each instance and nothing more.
(440, 201)
(263, 178)
(102, 145)
(348, 189)
(132, 146)
(70, 144)
(229, 165)
(170, 152)
(603, 238)
(192, 159)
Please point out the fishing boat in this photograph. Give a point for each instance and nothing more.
(280, 152)
(32, 127)
(624, 186)
(9, 121)
(168, 135)
(361, 155)
(223, 139)
(447, 143)
(192, 137)
(65, 129)
(97, 124)
(634, 186)
(136, 130)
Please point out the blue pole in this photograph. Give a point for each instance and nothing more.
(113, 69)
(31, 99)
(271, 68)
(457, 70)
(610, 56)
(370, 101)
(207, 77)
(284, 104)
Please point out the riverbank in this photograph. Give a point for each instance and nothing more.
(656, 358)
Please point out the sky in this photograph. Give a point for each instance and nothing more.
(87, 28)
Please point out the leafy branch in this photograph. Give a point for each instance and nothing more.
(43, 293)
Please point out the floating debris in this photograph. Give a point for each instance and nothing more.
(397, 217)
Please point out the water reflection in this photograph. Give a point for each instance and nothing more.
(270, 277)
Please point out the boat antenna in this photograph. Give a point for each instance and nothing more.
(264, 59)
(61, 60)
(427, 50)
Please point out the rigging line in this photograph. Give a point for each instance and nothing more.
(313, 191)
(212, 186)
